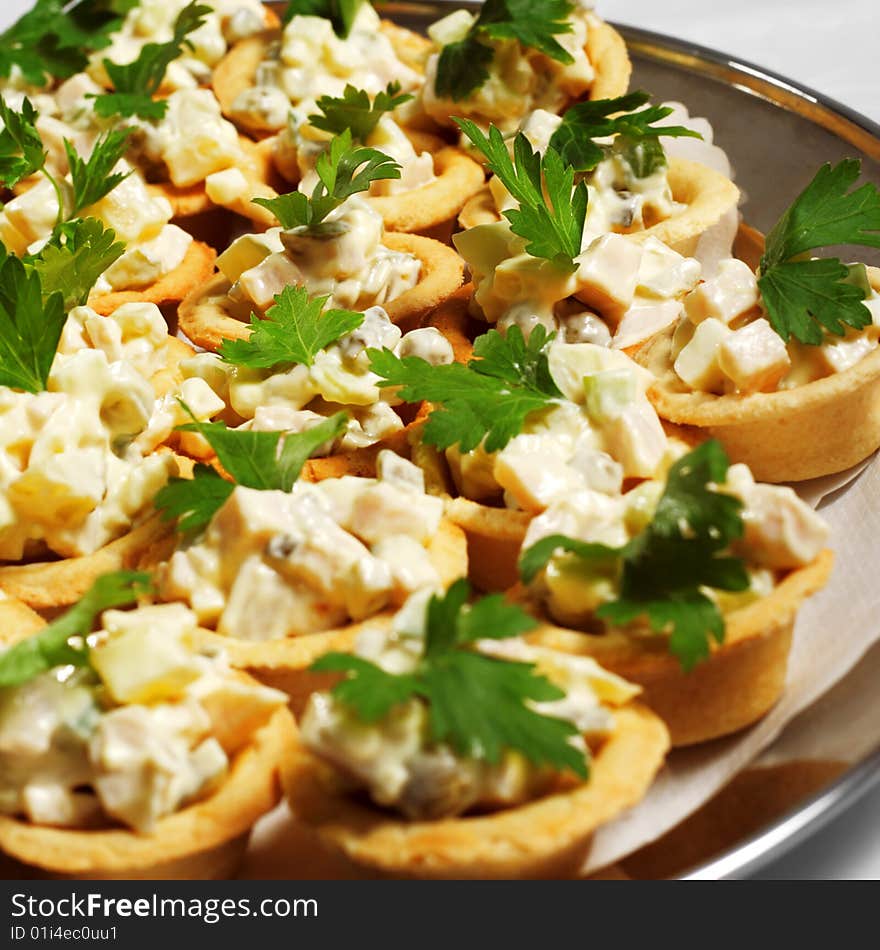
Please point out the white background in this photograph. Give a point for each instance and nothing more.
(830, 47)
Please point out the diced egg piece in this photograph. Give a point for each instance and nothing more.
(247, 251)
(697, 363)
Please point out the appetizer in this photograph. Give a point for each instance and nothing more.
(510, 59)
(322, 48)
(452, 749)
(127, 750)
(332, 243)
(79, 393)
(615, 146)
(783, 366)
(688, 586)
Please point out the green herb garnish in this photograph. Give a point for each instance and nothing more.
(354, 111)
(341, 13)
(663, 569)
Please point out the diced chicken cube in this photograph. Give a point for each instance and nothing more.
(732, 292)
(755, 357)
(384, 509)
(392, 468)
(643, 320)
(227, 187)
(268, 278)
(837, 354)
(697, 363)
(534, 472)
(637, 440)
(608, 273)
(247, 251)
(664, 273)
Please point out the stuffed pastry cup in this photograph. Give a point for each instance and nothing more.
(700, 197)
(261, 77)
(436, 178)
(291, 398)
(416, 805)
(357, 266)
(275, 565)
(153, 760)
(83, 460)
(521, 79)
(617, 611)
(790, 412)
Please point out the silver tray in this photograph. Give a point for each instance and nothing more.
(776, 133)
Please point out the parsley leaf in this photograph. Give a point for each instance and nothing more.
(74, 258)
(294, 331)
(463, 66)
(21, 148)
(662, 570)
(193, 502)
(338, 179)
(92, 179)
(806, 298)
(552, 210)
(489, 399)
(51, 647)
(135, 83)
(30, 327)
(262, 460)
(478, 704)
(53, 39)
(341, 13)
(354, 111)
(587, 121)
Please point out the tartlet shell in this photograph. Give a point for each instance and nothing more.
(196, 267)
(548, 837)
(48, 585)
(736, 686)
(706, 194)
(205, 320)
(820, 428)
(205, 841)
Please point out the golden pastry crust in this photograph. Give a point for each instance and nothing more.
(18, 617)
(548, 837)
(206, 840)
(48, 585)
(236, 72)
(205, 319)
(606, 50)
(736, 686)
(196, 267)
(283, 664)
(706, 194)
(816, 429)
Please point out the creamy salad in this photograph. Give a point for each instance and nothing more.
(521, 79)
(343, 257)
(273, 564)
(724, 343)
(296, 398)
(75, 468)
(312, 61)
(151, 725)
(393, 759)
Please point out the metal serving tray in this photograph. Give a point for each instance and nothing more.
(776, 133)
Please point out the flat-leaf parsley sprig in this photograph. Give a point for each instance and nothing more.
(552, 208)
(630, 118)
(63, 642)
(343, 170)
(355, 111)
(136, 83)
(662, 570)
(807, 299)
(22, 154)
(463, 66)
(296, 328)
(479, 705)
(489, 399)
(263, 460)
(341, 13)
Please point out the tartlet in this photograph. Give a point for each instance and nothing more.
(205, 319)
(706, 194)
(742, 679)
(814, 429)
(548, 837)
(203, 841)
